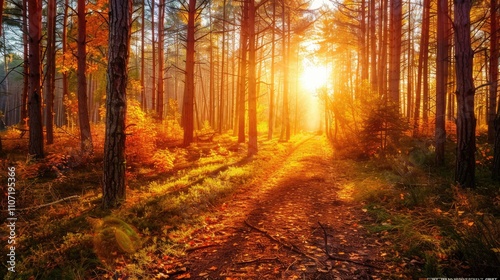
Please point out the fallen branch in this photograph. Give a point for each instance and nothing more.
(290, 247)
(260, 259)
(50, 203)
(335, 258)
(199, 247)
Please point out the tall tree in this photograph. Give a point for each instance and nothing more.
(120, 20)
(271, 87)
(83, 112)
(423, 60)
(189, 87)
(242, 72)
(494, 87)
(26, 66)
(153, 50)
(51, 70)
(252, 83)
(161, 70)
(221, 98)
(466, 121)
(396, 21)
(65, 83)
(285, 128)
(143, 48)
(441, 79)
(493, 69)
(35, 146)
(382, 62)
(373, 46)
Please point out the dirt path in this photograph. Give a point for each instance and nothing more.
(272, 231)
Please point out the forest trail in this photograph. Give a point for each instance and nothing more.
(275, 228)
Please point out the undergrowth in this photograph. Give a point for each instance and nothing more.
(169, 203)
(435, 228)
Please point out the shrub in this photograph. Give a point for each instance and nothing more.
(163, 160)
(141, 134)
(382, 128)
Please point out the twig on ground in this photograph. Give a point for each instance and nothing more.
(331, 257)
(260, 259)
(200, 247)
(290, 247)
(48, 204)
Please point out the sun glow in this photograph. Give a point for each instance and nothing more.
(314, 77)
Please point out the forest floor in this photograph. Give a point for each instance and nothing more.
(297, 222)
(297, 210)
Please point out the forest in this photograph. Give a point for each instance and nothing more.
(249, 139)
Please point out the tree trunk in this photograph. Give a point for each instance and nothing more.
(211, 88)
(410, 67)
(242, 75)
(373, 46)
(65, 84)
(35, 147)
(270, 129)
(51, 70)
(395, 51)
(153, 62)
(24, 96)
(466, 121)
(252, 83)
(83, 112)
(441, 80)
(493, 71)
(493, 88)
(189, 84)
(221, 98)
(422, 65)
(285, 128)
(161, 41)
(363, 50)
(143, 36)
(120, 16)
(382, 65)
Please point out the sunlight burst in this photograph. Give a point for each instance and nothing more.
(314, 77)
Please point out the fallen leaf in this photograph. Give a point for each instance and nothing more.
(184, 276)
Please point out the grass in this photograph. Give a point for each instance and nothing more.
(435, 228)
(165, 210)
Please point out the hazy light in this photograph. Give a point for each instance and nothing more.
(314, 77)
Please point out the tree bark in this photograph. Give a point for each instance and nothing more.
(143, 48)
(221, 97)
(285, 128)
(161, 41)
(83, 112)
(35, 146)
(270, 129)
(116, 103)
(494, 88)
(65, 84)
(441, 80)
(188, 113)
(252, 83)
(422, 67)
(24, 95)
(153, 62)
(395, 51)
(373, 47)
(493, 69)
(466, 121)
(242, 74)
(382, 62)
(51, 71)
